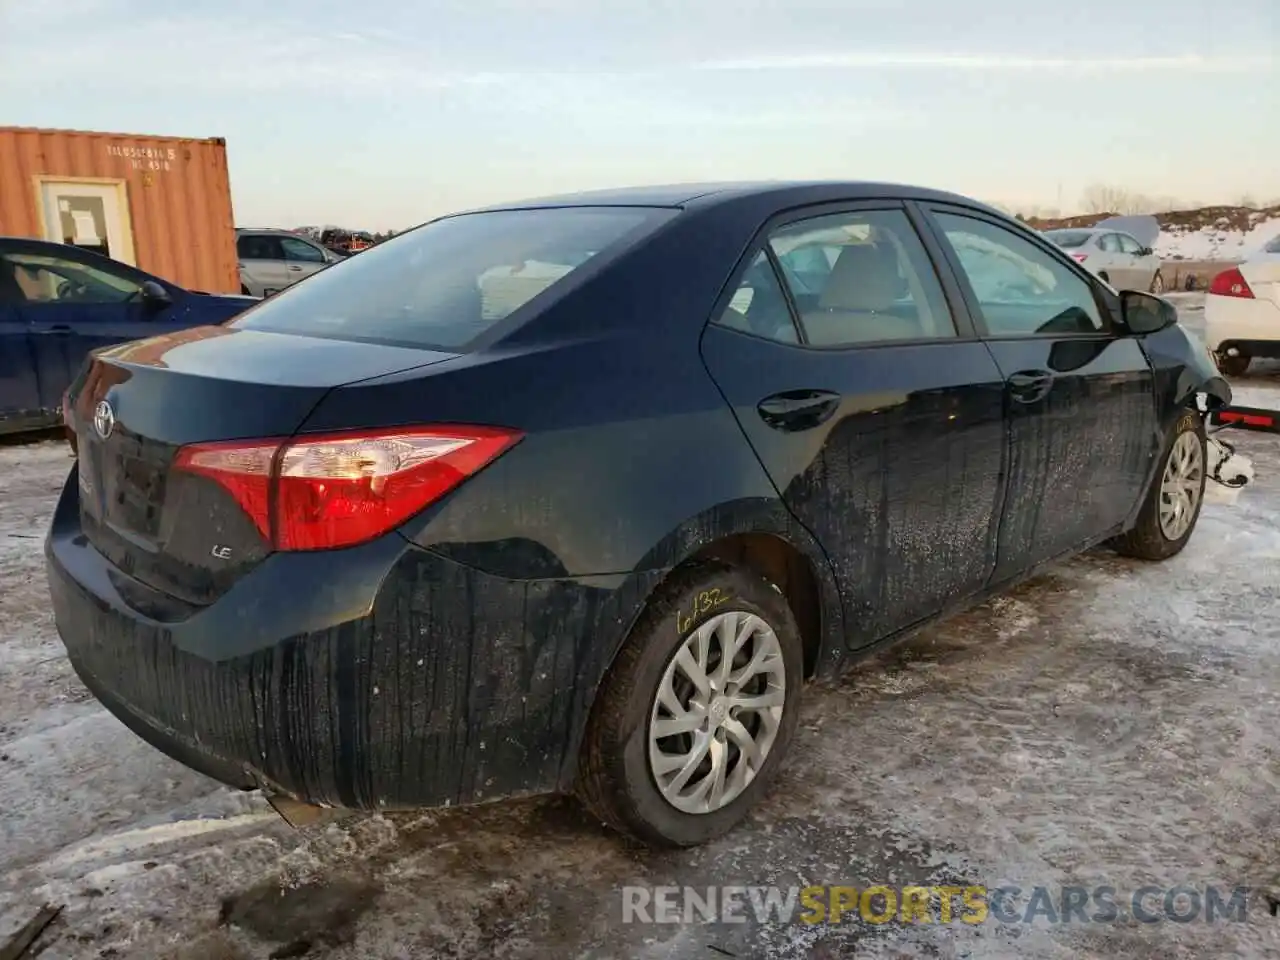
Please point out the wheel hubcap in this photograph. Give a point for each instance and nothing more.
(1181, 485)
(717, 711)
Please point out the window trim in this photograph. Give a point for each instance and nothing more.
(1106, 309)
(960, 315)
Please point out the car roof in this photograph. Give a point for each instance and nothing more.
(275, 230)
(785, 192)
(52, 247)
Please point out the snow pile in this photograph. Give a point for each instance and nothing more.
(1218, 241)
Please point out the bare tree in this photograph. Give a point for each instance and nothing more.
(1101, 198)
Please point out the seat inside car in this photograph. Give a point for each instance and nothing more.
(864, 283)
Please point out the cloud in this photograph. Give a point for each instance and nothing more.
(946, 61)
(204, 54)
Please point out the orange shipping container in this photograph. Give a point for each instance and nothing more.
(162, 204)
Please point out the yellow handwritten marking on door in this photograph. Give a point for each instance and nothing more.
(703, 603)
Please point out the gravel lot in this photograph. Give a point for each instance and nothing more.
(1112, 723)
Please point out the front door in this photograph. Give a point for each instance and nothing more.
(71, 304)
(879, 420)
(1081, 397)
(93, 216)
(19, 392)
(302, 259)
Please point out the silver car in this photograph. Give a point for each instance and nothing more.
(1114, 256)
(271, 260)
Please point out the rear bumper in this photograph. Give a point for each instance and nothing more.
(1232, 320)
(380, 677)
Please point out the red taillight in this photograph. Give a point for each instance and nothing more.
(337, 490)
(1231, 283)
(1079, 257)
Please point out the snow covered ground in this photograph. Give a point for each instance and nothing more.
(1218, 242)
(1111, 722)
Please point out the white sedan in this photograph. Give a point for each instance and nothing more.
(1242, 311)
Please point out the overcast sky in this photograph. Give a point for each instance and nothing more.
(379, 113)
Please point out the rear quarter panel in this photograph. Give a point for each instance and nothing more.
(631, 461)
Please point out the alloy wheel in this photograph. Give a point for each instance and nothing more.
(1181, 485)
(716, 713)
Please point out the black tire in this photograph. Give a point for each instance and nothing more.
(1232, 366)
(614, 777)
(1147, 540)
(1157, 283)
(1103, 277)
(245, 290)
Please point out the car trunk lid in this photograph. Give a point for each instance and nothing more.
(1262, 273)
(135, 406)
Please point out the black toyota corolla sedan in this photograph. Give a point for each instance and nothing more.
(576, 494)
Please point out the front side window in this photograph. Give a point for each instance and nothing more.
(861, 277)
(1129, 245)
(46, 279)
(1021, 289)
(295, 249)
(446, 283)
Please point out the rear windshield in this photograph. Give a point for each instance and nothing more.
(443, 285)
(1068, 238)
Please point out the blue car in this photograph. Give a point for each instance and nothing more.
(59, 302)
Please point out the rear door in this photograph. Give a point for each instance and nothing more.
(262, 265)
(876, 411)
(1112, 261)
(1080, 396)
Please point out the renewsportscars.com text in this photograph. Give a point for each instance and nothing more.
(881, 903)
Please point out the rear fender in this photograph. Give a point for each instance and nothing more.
(628, 600)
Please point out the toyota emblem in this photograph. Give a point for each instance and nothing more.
(104, 419)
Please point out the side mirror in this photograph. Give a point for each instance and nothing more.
(154, 295)
(1142, 313)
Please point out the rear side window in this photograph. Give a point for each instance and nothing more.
(251, 247)
(447, 283)
(1069, 239)
(860, 278)
(759, 306)
(1273, 246)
